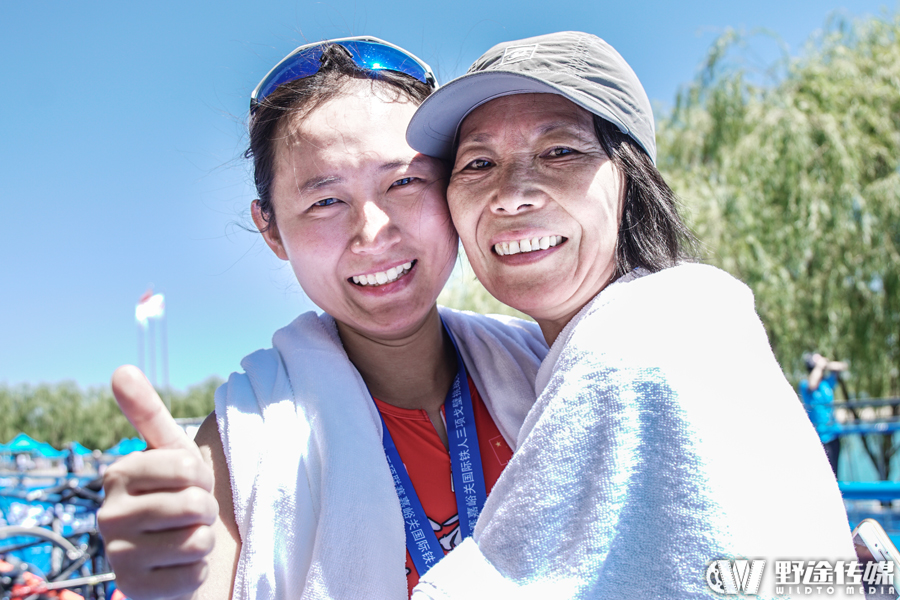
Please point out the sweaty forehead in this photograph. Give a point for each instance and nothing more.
(529, 114)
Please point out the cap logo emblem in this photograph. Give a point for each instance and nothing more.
(515, 54)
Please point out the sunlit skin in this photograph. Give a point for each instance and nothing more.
(530, 166)
(351, 198)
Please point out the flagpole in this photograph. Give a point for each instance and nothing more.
(140, 346)
(152, 307)
(164, 341)
(151, 350)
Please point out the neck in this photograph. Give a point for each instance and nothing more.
(551, 329)
(413, 371)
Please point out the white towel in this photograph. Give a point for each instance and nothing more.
(313, 498)
(665, 436)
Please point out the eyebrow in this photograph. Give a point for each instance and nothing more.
(576, 129)
(550, 127)
(317, 182)
(396, 164)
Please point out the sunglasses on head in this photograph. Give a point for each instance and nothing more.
(367, 52)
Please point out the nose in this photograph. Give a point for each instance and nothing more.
(376, 232)
(516, 191)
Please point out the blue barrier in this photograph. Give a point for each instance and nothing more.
(870, 490)
(884, 426)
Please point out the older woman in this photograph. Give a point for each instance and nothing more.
(665, 435)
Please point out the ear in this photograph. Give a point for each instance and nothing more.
(623, 191)
(269, 231)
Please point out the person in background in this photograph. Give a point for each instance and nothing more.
(23, 464)
(817, 393)
(74, 461)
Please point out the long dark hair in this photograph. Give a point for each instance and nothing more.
(651, 232)
(294, 100)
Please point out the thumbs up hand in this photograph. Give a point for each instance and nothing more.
(143, 407)
(159, 508)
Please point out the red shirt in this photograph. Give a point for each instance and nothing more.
(428, 464)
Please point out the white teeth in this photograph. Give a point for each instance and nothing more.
(389, 276)
(507, 248)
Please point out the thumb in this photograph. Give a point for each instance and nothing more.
(143, 407)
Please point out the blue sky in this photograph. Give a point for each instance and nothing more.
(123, 129)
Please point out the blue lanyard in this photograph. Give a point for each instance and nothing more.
(468, 474)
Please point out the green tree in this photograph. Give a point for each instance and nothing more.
(795, 189)
(63, 413)
(198, 401)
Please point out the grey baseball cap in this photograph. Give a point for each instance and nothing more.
(576, 65)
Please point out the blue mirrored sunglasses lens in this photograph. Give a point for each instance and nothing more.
(301, 65)
(368, 55)
(377, 57)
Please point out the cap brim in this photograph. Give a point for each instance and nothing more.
(432, 130)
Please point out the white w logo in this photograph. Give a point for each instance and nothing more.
(734, 577)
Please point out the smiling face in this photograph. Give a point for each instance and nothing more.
(537, 204)
(361, 216)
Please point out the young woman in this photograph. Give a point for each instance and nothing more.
(665, 436)
(344, 461)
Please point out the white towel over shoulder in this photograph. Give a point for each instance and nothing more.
(665, 436)
(314, 501)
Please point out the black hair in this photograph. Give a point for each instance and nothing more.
(294, 100)
(651, 232)
(808, 361)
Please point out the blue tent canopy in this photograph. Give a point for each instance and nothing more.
(127, 446)
(45, 449)
(25, 443)
(80, 449)
(22, 443)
